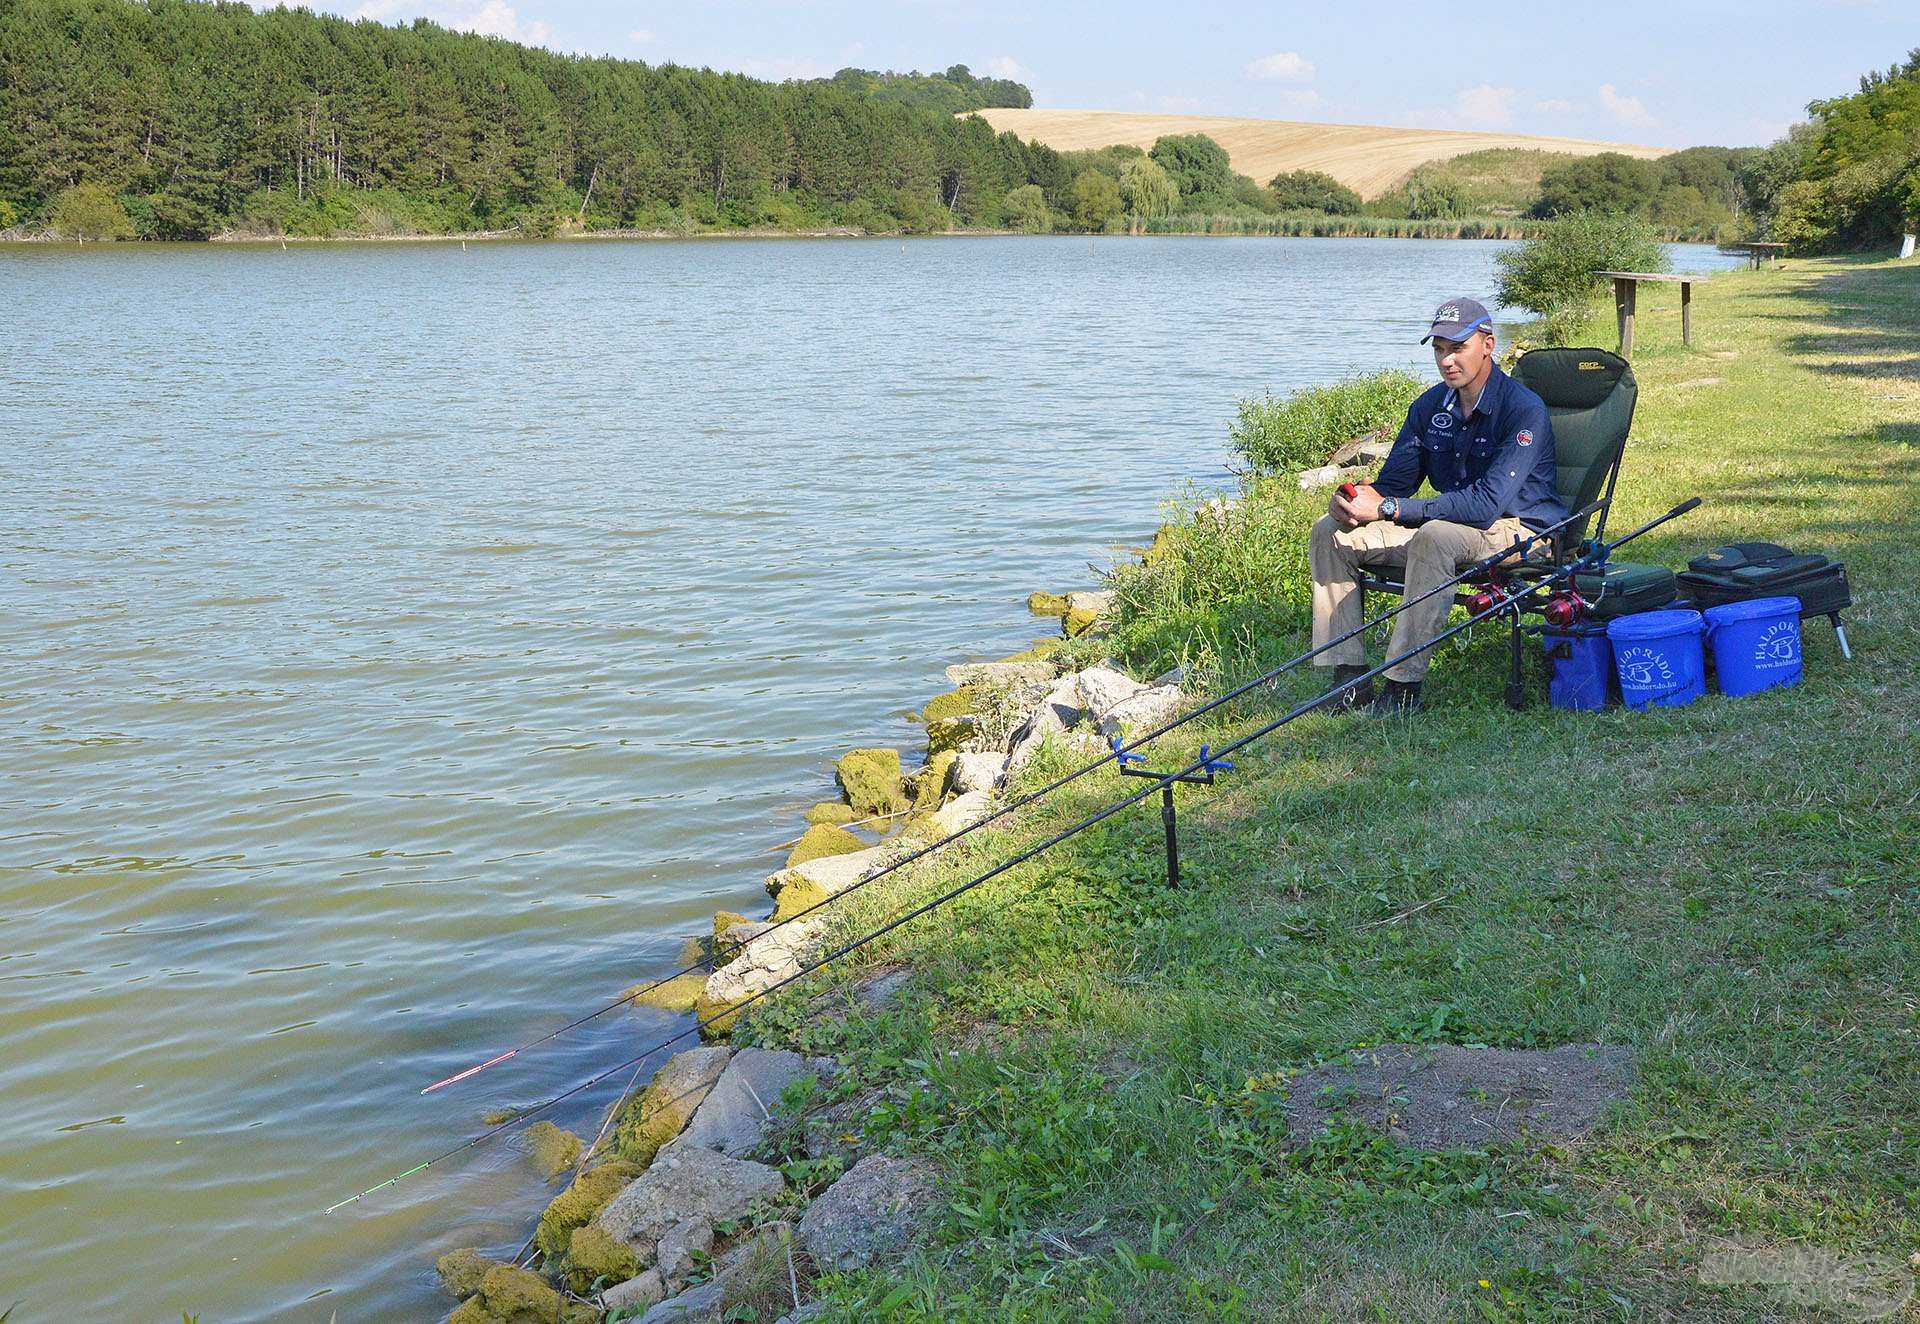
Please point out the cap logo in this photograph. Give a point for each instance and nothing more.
(1523, 437)
(1449, 313)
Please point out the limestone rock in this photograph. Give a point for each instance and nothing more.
(869, 1215)
(1368, 448)
(1332, 475)
(699, 1302)
(1002, 675)
(1058, 710)
(1101, 688)
(595, 1255)
(978, 772)
(576, 1206)
(1176, 676)
(960, 813)
(646, 1290)
(822, 840)
(733, 1117)
(763, 962)
(673, 1257)
(670, 1099)
(950, 733)
(930, 783)
(871, 780)
(1084, 610)
(813, 881)
(1046, 604)
(687, 1183)
(1149, 710)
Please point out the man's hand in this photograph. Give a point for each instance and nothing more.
(1350, 512)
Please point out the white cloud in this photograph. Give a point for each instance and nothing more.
(643, 36)
(1286, 67)
(489, 18)
(1555, 106)
(1627, 110)
(1005, 66)
(781, 70)
(1486, 106)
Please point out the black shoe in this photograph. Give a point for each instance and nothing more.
(1355, 699)
(1401, 698)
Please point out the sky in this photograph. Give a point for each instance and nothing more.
(1676, 74)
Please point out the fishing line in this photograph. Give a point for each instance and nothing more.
(1510, 604)
(1518, 548)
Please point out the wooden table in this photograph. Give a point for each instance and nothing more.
(1625, 286)
(1756, 252)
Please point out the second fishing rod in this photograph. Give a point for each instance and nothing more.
(1519, 550)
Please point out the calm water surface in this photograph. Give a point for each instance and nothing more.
(403, 648)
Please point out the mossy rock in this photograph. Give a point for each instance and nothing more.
(461, 1271)
(931, 781)
(798, 893)
(922, 827)
(724, 920)
(1042, 650)
(832, 813)
(1078, 621)
(592, 1191)
(954, 703)
(695, 950)
(676, 994)
(949, 733)
(871, 780)
(822, 840)
(518, 1296)
(1047, 604)
(553, 1151)
(593, 1253)
(715, 1017)
(1159, 549)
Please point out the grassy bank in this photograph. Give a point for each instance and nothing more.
(1098, 1064)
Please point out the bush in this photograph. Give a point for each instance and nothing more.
(1303, 429)
(1196, 163)
(1147, 189)
(1026, 209)
(1096, 200)
(1310, 190)
(1608, 182)
(1553, 274)
(90, 211)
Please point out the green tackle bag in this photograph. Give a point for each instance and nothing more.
(1621, 588)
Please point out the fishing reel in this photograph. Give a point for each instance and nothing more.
(1566, 609)
(1490, 597)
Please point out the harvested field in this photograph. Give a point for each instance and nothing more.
(1366, 158)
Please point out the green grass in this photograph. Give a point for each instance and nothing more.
(1096, 1063)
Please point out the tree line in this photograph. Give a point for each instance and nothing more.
(175, 119)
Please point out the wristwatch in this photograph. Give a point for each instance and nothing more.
(1390, 509)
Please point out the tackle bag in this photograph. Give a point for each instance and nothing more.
(1622, 588)
(1746, 570)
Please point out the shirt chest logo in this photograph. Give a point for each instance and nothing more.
(1443, 421)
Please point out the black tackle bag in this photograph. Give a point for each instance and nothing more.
(1746, 570)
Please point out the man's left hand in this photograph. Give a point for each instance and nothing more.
(1365, 504)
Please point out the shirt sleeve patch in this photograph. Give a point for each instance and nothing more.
(1523, 438)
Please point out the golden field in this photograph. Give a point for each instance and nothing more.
(1366, 158)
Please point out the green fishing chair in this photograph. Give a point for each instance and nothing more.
(1589, 394)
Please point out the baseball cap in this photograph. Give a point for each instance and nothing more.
(1456, 319)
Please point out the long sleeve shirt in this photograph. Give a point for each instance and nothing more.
(1494, 462)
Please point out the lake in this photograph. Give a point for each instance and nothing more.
(407, 646)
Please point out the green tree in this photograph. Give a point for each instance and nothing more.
(1605, 182)
(1026, 209)
(1198, 166)
(1096, 200)
(1147, 190)
(1552, 274)
(1311, 190)
(90, 211)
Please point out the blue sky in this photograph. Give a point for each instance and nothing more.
(1673, 74)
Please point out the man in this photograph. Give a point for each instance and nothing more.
(1485, 444)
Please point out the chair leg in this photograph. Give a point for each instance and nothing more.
(1516, 676)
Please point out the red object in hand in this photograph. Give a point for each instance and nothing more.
(1349, 491)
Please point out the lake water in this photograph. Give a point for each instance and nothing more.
(403, 647)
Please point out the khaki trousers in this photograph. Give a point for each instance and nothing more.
(1432, 554)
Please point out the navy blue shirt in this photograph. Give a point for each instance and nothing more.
(1496, 461)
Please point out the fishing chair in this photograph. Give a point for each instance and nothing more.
(1589, 394)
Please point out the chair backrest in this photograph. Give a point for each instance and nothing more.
(1590, 395)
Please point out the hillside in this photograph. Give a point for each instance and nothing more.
(1367, 158)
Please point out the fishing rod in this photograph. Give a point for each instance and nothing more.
(1485, 565)
(1512, 602)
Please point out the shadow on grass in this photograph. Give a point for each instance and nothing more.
(1889, 346)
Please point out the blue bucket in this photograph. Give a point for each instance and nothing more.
(1658, 657)
(1582, 669)
(1756, 644)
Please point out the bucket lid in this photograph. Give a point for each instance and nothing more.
(1656, 624)
(1752, 609)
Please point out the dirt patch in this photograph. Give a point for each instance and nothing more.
(1442, 1096)
(1698, 381)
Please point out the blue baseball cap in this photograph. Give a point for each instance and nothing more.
(1456, 319)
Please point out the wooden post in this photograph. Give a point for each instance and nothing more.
(1686, 312)
(1624, 292)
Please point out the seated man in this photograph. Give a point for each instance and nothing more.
(1485, 444)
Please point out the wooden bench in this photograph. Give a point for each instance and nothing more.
(1756, 252)
(1625, 285)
